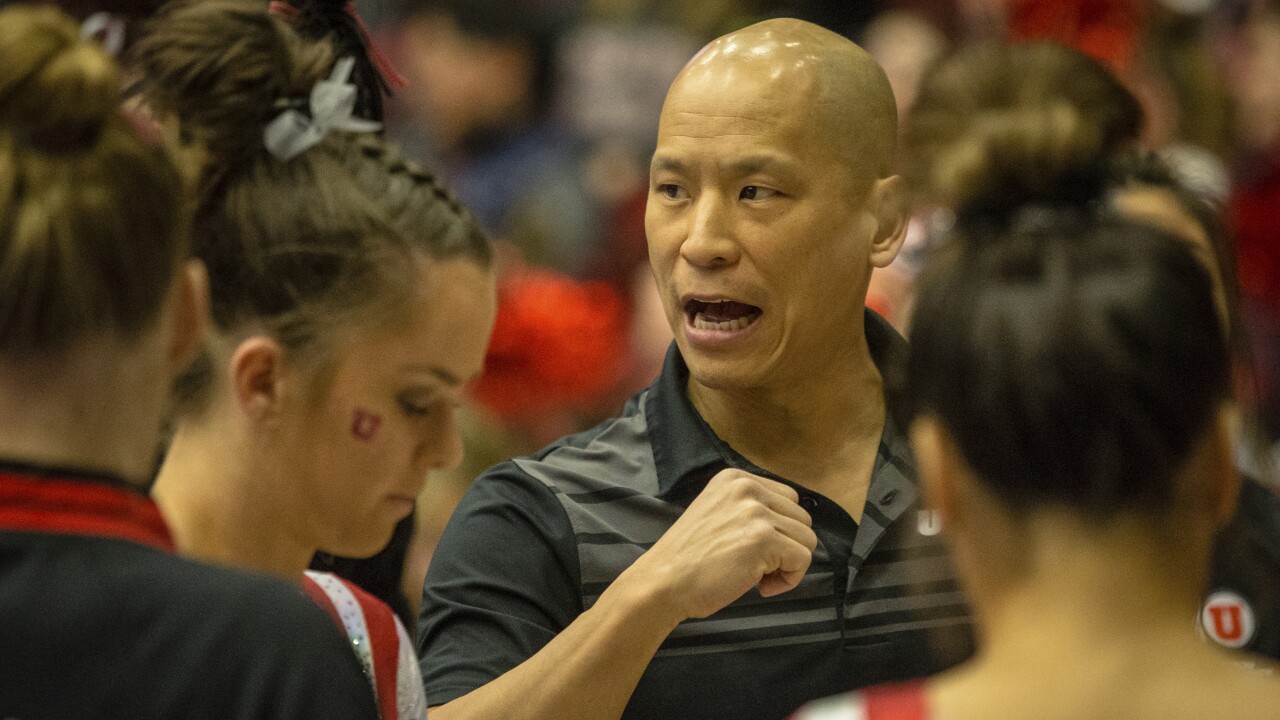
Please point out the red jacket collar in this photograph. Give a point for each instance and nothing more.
(34, 499)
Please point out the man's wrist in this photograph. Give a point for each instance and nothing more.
(644, 602)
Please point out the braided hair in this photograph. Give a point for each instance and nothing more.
(294, 247)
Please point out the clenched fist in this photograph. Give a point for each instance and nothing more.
(741, 531)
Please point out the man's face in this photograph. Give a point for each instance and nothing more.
(758, 234)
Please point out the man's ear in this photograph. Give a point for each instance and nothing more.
(935, 466)
(888, 202)
(190, 314)
(257, 374)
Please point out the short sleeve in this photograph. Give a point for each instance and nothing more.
(502, 583)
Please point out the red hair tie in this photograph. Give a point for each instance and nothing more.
(291, 14)
(380, 60)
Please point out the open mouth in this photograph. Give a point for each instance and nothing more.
(720, 315)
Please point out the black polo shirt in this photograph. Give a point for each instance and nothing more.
(99, 620)
(536, 540)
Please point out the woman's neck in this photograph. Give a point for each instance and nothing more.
(1085, 590)
(97, 409)
(226, 507)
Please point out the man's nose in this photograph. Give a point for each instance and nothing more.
(710, 242)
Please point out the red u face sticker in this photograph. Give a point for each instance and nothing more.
(365, 424)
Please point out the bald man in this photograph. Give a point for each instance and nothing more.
(746, 534)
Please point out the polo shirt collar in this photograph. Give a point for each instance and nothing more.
(76, 502)
(687, 452)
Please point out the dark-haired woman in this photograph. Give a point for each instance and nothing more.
(1241, 609)
(100, 308)
(1071, 396)
(990, 102)
(352, 302)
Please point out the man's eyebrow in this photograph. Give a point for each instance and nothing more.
(749, 164)
(745, 165)
(666, 163)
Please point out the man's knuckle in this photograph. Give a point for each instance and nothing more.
(761, 530)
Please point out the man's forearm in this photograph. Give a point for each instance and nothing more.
(587, 672)
(740, 530)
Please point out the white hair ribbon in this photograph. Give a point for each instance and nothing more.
(107, 29)
(332, 103)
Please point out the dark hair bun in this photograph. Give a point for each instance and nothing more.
(998, 126)
(1023, 162)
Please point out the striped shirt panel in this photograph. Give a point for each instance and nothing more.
(895, 579)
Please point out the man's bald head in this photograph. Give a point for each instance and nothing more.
(835, 84)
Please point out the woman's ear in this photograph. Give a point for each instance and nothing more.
(257, 374)
(1224, 483)
(887, 201)
(190, 314)
(935, 466)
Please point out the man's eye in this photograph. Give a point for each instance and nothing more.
(671, 191)
(755, 192)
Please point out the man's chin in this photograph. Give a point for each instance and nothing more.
(724, 374)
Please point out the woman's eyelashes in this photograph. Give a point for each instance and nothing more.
(417, 407)
(425, 404)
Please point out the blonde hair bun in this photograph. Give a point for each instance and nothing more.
(57, 91)
(92, 218)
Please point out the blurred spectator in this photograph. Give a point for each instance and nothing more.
(1106, 30)
(558, 344)
(616, 67)
(1255, 202)
(906, 45)
(480, 86)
